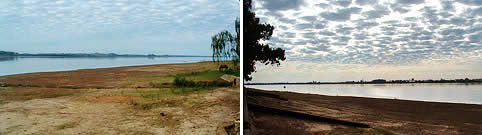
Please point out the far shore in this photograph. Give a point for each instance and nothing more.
(120, 56)
(229, 63)
(383, 116)
(469, 81)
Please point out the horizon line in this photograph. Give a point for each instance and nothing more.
(106, 53)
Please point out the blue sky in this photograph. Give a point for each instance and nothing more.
(338, 40)
(119, 26)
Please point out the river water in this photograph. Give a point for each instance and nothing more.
(18, 65)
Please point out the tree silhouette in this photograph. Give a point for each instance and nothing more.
(224, 44)
(254, 51)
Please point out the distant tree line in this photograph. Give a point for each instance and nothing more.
(379, 81)
(7, 53)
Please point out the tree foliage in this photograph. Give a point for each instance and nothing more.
(6, 53)
(254, 51)
(226, 45)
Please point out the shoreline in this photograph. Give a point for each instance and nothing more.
(121, 56)
(441, 102)
(387, 97)
(103, 68)
(109, 77)
(384, 116)
(362, 83)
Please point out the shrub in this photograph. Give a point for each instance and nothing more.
(4, 85)
(231, 71)
(183, 82)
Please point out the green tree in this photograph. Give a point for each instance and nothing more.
(226, 45)
(254, 51)
(6, 53)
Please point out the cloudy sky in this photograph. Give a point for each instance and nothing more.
(342, 40)
(119, 26)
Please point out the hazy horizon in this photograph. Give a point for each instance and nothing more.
(370, 39)
(124, 27)
(102, 53)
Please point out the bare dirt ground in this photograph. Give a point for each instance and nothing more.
(116, 110)
(385, 116)
(100, 112)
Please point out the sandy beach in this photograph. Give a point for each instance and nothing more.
(383, 116)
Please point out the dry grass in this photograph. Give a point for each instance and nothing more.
(28, 93)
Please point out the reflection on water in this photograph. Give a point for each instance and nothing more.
(7, 58)
(446, 92)
(18, 65)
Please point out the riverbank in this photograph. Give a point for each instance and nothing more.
(21, 65)
(121, 100)
(117, 77)
(383, 116)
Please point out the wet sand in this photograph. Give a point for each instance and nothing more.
(384, 116)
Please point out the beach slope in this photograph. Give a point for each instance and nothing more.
(383, 116)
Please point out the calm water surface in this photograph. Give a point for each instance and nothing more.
(18, 65)
(446, 92)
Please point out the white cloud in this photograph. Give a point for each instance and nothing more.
(60, 2)
(424, 28)
(55, 20)
(378, 32)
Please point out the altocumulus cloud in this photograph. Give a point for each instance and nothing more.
(140, 26)
(426, 30)
(376, 32)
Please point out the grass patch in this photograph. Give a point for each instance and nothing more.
(183, 82)
(204, 75)
(192, 79)
(231, 71)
